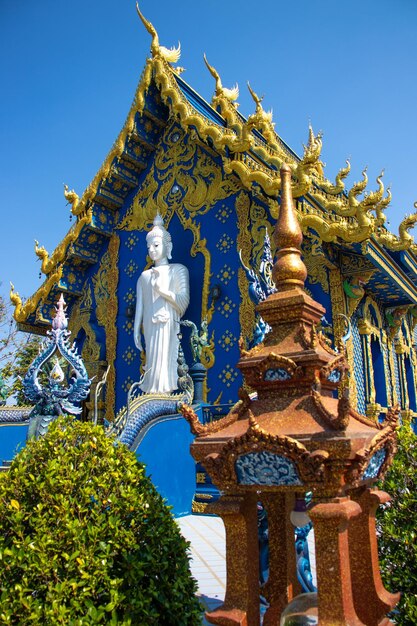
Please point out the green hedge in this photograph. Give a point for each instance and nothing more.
(397, 525)
(86, 539)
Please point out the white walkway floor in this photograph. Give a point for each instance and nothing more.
(208, 563)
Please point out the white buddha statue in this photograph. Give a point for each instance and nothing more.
(162, 296)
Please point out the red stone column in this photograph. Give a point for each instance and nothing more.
(372, 600)
(335, 599)
(282, 584)
(241, 603)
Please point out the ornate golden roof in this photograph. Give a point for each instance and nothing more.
(249, 148)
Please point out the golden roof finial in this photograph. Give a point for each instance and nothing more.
(171, 55)
(230, 94)
(289, 270)
(72, 198)
(257, 100)
(14, 296)
(314, 143)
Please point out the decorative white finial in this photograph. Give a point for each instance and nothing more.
(60, 321)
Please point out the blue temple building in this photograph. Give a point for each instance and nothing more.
(213, 175)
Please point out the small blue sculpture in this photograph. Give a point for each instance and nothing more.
(53, 399)
(260, 287)
(304, 574)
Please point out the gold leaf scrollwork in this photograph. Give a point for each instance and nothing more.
(244, 244)
(338, 311)
(22, 311)
(316, 262)
(105, 292)
(207, 355)
(183, 173)
(253, 226)
(80, 320)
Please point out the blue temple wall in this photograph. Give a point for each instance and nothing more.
(172, 470)
(211, 219)
(133, 260)
(12, 438)
(204, 234)
(224, 324)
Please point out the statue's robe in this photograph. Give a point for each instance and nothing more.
(160, 318)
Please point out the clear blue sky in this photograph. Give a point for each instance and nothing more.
(69, 71)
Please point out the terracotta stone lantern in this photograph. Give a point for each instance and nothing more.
(296, 437)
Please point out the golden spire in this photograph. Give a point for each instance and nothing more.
(289, 270)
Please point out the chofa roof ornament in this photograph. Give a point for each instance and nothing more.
(171, 55)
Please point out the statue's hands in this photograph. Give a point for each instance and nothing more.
(155, 280)
(156, 283)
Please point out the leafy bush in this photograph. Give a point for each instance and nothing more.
(397, 524)
(86, 539)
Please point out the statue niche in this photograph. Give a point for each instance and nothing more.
(162, 297)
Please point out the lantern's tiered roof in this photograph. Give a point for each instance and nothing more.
(301, 430)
